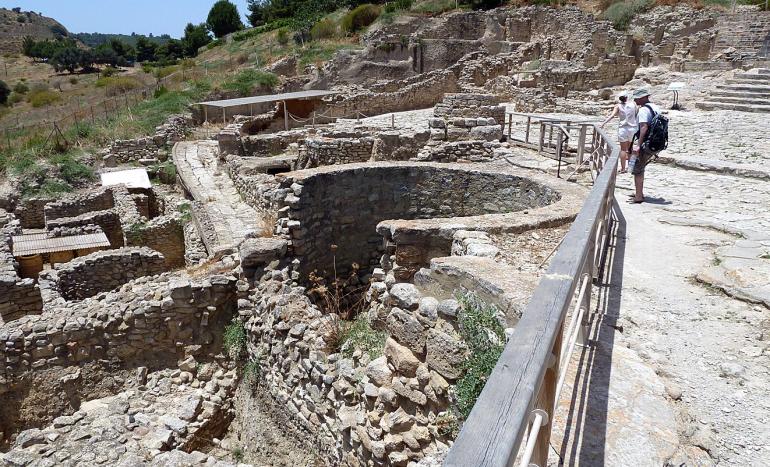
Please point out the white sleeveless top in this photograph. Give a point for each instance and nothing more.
(627, 116)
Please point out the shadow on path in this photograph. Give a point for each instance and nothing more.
(589, 405)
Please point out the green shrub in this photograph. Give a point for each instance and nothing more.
(159, 91)
(359, 335)
(324, 29)
(108, 71)
(403, 4)
(485, 338)
(42, 98)
(20, 88)
(71, 170)
(54, 187)
(434, 7)
(282, 36)
(621, 13)
(247, 80)
(5, 92)
(360, 17)
(234, 339)
(116, 85)
(186, 210)
(15, 98)
(251, 372)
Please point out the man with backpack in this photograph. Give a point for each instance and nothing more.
(652, 138)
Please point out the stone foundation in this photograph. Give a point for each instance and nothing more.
(99, 272)
(356, 198)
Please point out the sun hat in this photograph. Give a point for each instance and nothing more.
(641, 92)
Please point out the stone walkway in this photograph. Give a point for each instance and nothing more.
(665, 331)
(207, 181)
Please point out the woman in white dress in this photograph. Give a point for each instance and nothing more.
(627, 128)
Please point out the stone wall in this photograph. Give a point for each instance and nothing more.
(271, 144)
(467, 116)
(329, 151)
(108, 220)
(18, 297)
(420, 95)
(150, 322)
(398, 145)
(462, 151)
(149, 316)
(163, 234)
(99, 272)
(30, 212)
(260, 191)
(148, 147)
(77, 204)
(354, 199)
(382, 405)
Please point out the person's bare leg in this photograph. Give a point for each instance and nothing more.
(624, 149)
(639, 184)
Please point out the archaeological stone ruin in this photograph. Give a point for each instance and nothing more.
(413, 255)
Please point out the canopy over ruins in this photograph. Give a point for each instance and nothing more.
(299, 103)
(132, 178)
(37, 243)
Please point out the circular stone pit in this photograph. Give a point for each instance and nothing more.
(338, 215)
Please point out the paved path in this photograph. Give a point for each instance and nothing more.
(228, 218)
(666, 331)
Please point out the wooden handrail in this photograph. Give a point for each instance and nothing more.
(527, 372)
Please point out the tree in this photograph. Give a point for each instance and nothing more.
(257, 12)
(69, 59)
(194, 38)
(224, 18)
(170, 51)
(5, 91)
(145, 49)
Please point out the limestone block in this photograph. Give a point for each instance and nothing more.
(402, 359)
(405, 295)
(445, 353)
(257, 252)
(406, 329)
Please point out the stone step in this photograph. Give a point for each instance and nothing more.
(710, 105)
(741, 100)
(753, 76)
(746, 81)
(744, 87)
(763, 71)
(762, 95)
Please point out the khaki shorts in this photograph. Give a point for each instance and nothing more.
(645, 157)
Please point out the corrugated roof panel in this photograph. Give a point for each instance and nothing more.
(31, 244)
(267, 98)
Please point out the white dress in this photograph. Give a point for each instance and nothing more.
(628, 124)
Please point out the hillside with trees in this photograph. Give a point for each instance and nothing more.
(95, 39)
(15, 25)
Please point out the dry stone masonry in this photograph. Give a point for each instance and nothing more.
(100, 272)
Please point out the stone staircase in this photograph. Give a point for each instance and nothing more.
(747, 32)
(746, 92)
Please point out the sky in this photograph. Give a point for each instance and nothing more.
(123, 16)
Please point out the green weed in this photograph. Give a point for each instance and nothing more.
(485, 337)
(234, 339)
(359, 335)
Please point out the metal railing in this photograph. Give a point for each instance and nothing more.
(523, 390)
(566, 141)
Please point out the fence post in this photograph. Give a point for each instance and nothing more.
(581, 144)
(546, 402)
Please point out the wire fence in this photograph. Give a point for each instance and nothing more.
(18, 135)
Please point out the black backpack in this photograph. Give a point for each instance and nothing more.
(656, 138)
